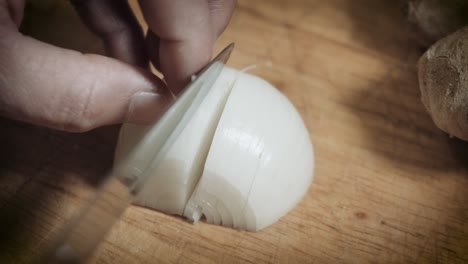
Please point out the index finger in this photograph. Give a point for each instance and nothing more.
(186, 37)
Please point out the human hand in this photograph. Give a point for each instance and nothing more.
(63, 89)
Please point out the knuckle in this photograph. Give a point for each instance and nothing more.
(77, 122)
(77, 126)
(80, 114)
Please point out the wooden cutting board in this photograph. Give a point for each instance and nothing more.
(389, 187)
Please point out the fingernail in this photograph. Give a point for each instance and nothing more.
(146, 107)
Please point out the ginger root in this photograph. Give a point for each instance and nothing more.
(443, 81)
(432, 20)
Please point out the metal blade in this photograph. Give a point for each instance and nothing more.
(81, 236)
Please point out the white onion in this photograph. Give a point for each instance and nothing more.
(243, 160)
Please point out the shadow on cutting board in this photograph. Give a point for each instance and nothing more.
(41, 168)
(398, 127)
(374, 24)
(40, 173)
(392, 114)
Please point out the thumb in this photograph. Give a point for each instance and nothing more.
(63, 89)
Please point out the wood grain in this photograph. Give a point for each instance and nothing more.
(389, 187)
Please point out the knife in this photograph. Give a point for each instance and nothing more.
(78, 239)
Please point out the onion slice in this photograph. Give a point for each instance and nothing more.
(171, 181)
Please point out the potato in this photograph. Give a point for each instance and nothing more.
(443, 81)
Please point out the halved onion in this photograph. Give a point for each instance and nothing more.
(243, 160)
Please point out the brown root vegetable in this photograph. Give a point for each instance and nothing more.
(432, 20)
(443, 80)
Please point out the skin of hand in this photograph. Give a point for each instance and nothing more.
(67, 90)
